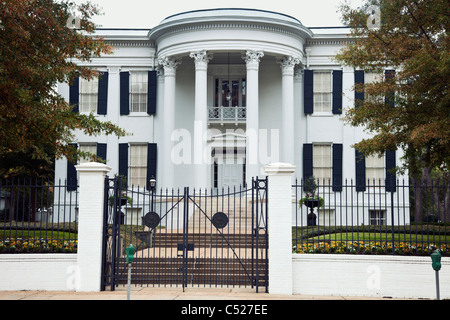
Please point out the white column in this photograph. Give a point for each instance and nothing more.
(287, 109)
(90, 225)
(201, 59)
(280, 227)
(169, 64)
(252, 59)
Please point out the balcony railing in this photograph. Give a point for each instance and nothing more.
(227, 114)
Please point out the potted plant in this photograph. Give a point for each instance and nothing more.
(311, 200)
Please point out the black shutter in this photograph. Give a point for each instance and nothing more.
(123, 159)
(359, 80)
(390, 171)
(308, 84)
(72, 182)
(101, 151)
(74, 94)
(360, 165)
(151, 92)
(102, 102)
(337, 92)
(390, 96)
(307, 161)
(337, 167)
(152, 157)
(124, 93)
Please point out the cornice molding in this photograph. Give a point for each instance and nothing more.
(165, 31)
(131, 43)
(318, 42)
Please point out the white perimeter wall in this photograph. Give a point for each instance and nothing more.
(368, 276)
(47, 272)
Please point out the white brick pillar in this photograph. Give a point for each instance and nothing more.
(90, 224)
(280, 227)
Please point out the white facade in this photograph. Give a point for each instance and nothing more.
(180, 121)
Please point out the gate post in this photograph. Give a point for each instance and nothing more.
(90, 224)
(279, 197)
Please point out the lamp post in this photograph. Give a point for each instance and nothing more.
(152, 188)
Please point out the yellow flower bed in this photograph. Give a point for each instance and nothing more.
(18, 245)
(374, 247)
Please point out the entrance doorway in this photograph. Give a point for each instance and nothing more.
(229, 169)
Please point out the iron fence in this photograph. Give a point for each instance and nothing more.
(186, 237)
(37, 216)
(381, 218)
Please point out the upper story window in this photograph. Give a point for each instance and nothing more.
(88, 95)
(372, 77)
(138, 91)
(230, 93)
(322, 91)
(230, 100)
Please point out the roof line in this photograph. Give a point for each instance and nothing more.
(244, 9)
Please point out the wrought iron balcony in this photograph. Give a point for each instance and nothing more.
(227, 114)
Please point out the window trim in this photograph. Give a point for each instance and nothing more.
(131, 93)
(330, 93)
(80, 99)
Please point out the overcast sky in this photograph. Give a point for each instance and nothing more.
(149, 13)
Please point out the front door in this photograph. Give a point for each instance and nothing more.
(231, 175)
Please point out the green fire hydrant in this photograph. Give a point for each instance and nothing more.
(130, 258)
(436, 264)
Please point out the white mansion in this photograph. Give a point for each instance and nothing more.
(209, 97)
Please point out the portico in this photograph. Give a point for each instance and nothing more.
(203, 39)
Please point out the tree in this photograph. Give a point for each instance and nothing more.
(39, 48)
(410, 37)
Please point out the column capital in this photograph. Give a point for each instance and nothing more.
(252, 58)
(169, 64)
(201, 58)
(288, 64)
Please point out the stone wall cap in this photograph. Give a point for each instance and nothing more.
(279, 168)
(92, 167)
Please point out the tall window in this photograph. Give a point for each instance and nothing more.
(375, 170)
(322, 163)
(88, 148)
(138, 91)
(323, 91)
(138, 165)
(230, 93)
(88, 95)
(371, 77)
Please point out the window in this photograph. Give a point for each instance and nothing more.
(138, 91)
(88, 95)
(377, 217)
(325, 217)
(88, 148)
(322, 163)
(322, 91)
(236, 93)
(138, 165)
(375, 170)
(371, 77)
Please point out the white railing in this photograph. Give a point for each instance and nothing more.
(227, 114)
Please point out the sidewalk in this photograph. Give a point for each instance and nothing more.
(175, 293)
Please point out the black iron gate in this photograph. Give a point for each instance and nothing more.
(188, 237)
